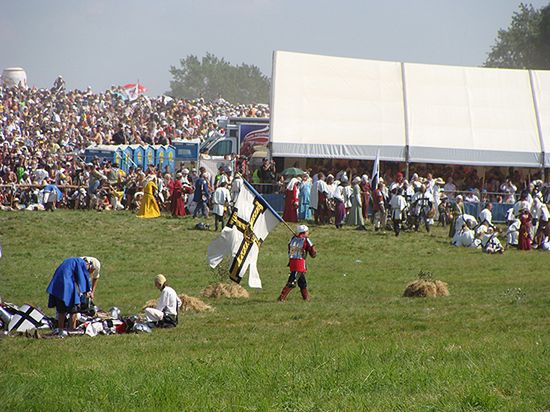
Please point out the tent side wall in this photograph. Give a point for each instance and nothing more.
(541, 89)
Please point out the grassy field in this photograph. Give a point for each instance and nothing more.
(357, 345)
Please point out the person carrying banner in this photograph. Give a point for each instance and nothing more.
(299, 247)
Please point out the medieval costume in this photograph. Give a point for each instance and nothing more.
(355, 216)
(290, 213)
(177, 196)
(457, 210)
(299, 247)
(304, 212)
(323, 214)
(524, 242)
(398, 205)
(165, 313)
(365, 196)
(220, 199)
(149, 207)
(340, 210)
(68, 287)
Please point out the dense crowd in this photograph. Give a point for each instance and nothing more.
(402, 204)
(43, 132)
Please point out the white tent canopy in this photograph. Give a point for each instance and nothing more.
(331, 107)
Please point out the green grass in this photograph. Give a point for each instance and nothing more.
(357, 345)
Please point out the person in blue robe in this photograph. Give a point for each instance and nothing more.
(304, 212)
(68, 288)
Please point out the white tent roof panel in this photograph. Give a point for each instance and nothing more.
(336, 107)
(471, 115)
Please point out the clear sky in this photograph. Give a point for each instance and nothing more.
(105, 42)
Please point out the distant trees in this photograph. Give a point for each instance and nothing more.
(212, 77)
(525, 44)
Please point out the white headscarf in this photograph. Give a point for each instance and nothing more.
(292, 182)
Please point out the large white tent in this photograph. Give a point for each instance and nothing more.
(342, 108)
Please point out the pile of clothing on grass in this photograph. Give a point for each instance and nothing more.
(92, 321)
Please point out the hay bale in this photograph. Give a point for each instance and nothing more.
(188, 304)
(426, 288)
(226, 290)
(150, 304)
(442, 289)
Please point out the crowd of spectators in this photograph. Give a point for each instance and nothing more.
(43, 132)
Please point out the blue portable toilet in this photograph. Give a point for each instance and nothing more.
(160, 153)
(138, 155)
(122, 162)
(102, 152)
(149, 156)
(128, 157)
(170, 158)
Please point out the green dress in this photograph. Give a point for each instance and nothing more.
(355, 216)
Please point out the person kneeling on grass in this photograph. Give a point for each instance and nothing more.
(298, 248)
(166, 312)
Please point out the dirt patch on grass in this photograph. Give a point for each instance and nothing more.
(225, 290)
(426, 288)
(188, 304)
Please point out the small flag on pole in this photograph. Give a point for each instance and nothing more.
(376, 171)
(249, 224)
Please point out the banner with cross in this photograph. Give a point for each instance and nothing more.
(251, 220)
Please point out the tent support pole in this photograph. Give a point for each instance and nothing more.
(406, 120)
(539, 127)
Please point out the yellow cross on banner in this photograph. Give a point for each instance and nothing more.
(249, 238)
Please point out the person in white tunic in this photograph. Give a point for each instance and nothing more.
(423, 202)
(490, 242)
(465, 237)
(168, 302)
(398, 205)
(512, 231)
(236, 187)
(220, 198)
(486, 215)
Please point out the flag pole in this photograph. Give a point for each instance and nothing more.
(266, 204)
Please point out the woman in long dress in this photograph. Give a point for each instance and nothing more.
(525, 218)
(290, 213)
(177, 196)
(355, 216)
(304, 198)
(365, 196)
(149, 207)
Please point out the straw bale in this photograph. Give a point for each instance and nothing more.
(190, 303)
(426, 288)
(226, 290)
